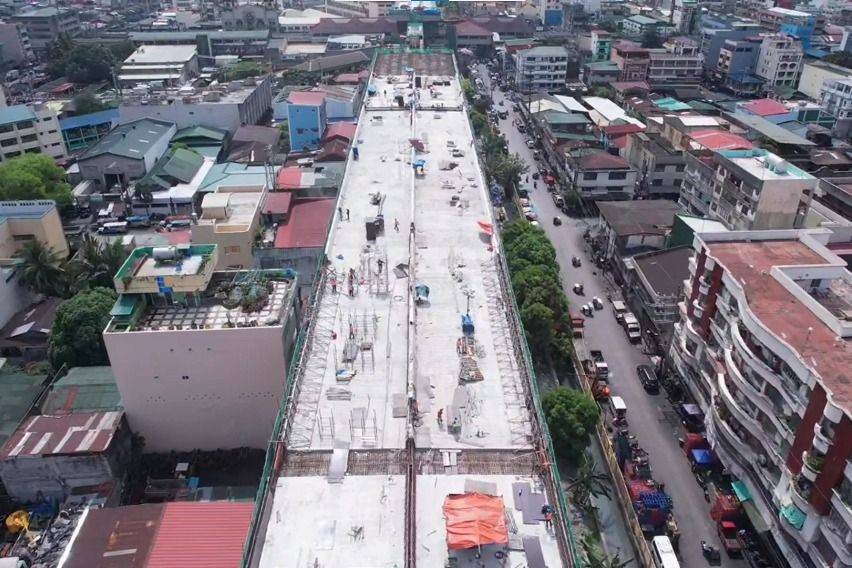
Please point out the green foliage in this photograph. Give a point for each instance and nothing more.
(242, 70)
(95, 264)
(76, 338)
(587, 482)
(604, 91)
(41, 269)
(478, 121)
(571, 417)
(284, 141)
(508, 169)
(597, 558)
(33, 176)
(651, 39)
(87, 104)
(80, 63)
(123, 50)
(538, 324)
(468, 89)
(842, 58)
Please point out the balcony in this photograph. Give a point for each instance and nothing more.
(800, 497)
(735, 446)
(768, 374)
(822, 443)
(810, 466)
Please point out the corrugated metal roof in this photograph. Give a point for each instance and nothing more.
(202, 535)
(200, 132)
(19, 392)
(131, 140)
(119, 537)
(16, 113)
(308, 224)
(90, 119)
(83, 389)
(63, 435)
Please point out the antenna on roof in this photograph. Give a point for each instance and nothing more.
(808, 338)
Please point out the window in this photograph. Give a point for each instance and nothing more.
(657, 182)
(6, 128)
(29, 138)
(11, 154)
(679, 168)
(589, 176)
(618, 175)
(25, 124)
(235, 249)
(300, 131)
(9, 142)
(23, 238)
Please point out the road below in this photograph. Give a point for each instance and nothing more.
(651, 418)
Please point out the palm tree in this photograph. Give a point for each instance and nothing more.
(96, 263)
(587, 483)
(597, 558)
(42, 270)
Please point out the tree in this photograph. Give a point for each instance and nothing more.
(478, 121)
(87, 104)
(96, 263)
(42, 270)
(242, 70)
(57, 52)
(571, 416)
(587, 483)
(604, 91)
(508, 171)
(76, 338)
(651, 39)
(538, 325)
(468, 89)
(842, 58)
(33, 176)
(597, 558)
(89, 64)
(284, 143)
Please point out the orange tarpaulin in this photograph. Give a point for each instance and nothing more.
(487, 228)
(474, 519)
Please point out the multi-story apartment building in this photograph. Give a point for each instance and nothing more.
(836, 99)
(638, 26)
(167, 64)
(685, 16)
(15, 42)
(26, 129)
(736, 65)
(632, 59)
(746, 189)
(660, 166)
(541, 68)
(714, 31)
(679, 61)
(230, 219)
(599, 175)
(200, 357)
(780, 61)
(601, 45)
(763, 344)
(25, 221)
(45, 24)
(353, 8)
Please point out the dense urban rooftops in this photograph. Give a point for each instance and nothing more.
(764, 165)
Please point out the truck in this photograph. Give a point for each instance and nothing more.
(577, 323)
(730, 539)
(631, 326)
(601, 368)
(618, 310)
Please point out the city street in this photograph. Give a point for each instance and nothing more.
(651, 418)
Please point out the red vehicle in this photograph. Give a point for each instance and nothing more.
(730, 540)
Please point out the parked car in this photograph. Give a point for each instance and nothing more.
(557, 221)
(648, 378)
(530, 143)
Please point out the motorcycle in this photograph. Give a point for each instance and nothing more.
(710, 552)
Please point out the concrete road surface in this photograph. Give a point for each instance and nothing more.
(651, 418)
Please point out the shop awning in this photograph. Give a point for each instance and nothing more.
(794, 516)
(755, 517)
(474, 519)
(702, 457)
(741, 491)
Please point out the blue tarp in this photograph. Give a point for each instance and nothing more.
(702, 457)
(371, 89)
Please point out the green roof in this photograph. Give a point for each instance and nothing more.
(84, 389)
(20, 391)
(202, 132)
(671, 104)
(178, 166)
(230, 174)
(557, 117)
(702, 106)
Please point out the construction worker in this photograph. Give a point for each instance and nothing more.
(547, 511)
(396, 224)
(334, 285)
(440, 417)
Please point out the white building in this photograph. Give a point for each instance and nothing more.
(200, 357)
(28, 129)
(836, 99)
(679, 62)
(685, 17)
(541, 68)
(169, 64)
(780, 61)
(356, 8)
(637, 26)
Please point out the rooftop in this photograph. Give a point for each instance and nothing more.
(764, 166)
(546, 51)
(602, 160)
(230, 212)
(766, 107)
(160, 54)
(308, 98)
(83, 389)
(665, 270)
(751, 264)
(15, 113)
(645, 21)
(639, 217)
(719, 140)
(770, 130)
(308, 224)
(20, 391)
(85, 433)
(90, 119)
(132, 139)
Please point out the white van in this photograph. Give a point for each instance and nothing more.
(664, 554)
(617, 406)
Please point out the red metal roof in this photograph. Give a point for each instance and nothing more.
(309, 98)
(344, 129)
(278, 202)
(307, 226)
(621, 129)
(202, 535)
(289, 177)
(116, 537)
(766, 107)
(348, 78)
(603, 161)
(467, 28)
(85, 433)
(720, 140)
(333, 151)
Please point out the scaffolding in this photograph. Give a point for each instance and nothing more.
(321, 338)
